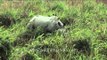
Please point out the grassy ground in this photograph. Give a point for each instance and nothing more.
(85, 38)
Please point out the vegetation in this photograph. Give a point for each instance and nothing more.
(85, 38)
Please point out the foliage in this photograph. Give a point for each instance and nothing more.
(85, 37)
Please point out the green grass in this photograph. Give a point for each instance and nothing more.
(85, 39)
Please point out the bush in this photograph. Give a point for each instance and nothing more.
(6, 19)
(5, 49)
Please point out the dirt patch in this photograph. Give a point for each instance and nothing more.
(103, 1)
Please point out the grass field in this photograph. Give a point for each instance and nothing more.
(85, 38)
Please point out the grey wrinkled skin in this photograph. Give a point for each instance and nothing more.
(44, 23)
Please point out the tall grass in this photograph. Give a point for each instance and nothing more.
(85, 38)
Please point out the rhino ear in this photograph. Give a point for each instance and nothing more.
(59, 23)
